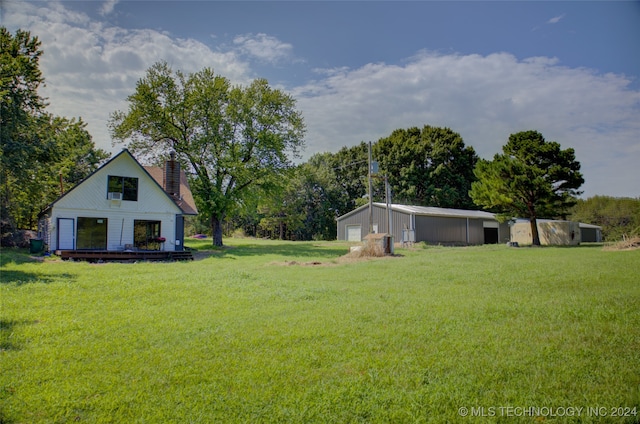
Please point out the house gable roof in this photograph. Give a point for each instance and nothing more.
(186, 201)
(187, 210)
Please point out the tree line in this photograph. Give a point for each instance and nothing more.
(428, 166)
(619, 217)
(41, 155)
(239, 144)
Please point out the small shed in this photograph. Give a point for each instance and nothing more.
(552, 232)
(590, 233)
(423, 223)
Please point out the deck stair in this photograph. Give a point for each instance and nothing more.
(136, 255)
(184, 255)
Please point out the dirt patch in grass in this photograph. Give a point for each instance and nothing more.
(349, 258)
(293, 263)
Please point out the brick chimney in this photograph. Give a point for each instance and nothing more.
(171, 177)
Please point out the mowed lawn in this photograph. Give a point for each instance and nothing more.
(267, 331)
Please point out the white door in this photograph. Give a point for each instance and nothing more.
(66, 234)
(354, 233)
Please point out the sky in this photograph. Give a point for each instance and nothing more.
(361, 69)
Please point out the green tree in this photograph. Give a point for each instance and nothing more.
(321, 197)
(430, 167)
(532, 178)
(38, 151)
(66, 155)
(235, 140)
(306, 208)
(618, 216)
(20, 78)
(281, 214)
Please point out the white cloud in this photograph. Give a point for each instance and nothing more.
(556, 19)
(263, 47)
(485, 99)
(91, 68)
(108, 6)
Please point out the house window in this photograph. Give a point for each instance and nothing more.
(92, 233)
(146, 235)
(126, 186)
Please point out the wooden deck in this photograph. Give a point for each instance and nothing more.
(121, 255)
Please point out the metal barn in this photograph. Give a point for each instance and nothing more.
(422, 223)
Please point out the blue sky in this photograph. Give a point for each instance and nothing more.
(360, 69)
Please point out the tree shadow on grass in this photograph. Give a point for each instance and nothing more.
(7, 342)
(15, 255)
(20, 278)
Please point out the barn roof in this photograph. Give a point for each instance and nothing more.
(446, 212)
(596, 227)
(429, 211)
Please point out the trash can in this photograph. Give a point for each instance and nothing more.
(35, 246)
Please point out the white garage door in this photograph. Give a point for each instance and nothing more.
(354, 233)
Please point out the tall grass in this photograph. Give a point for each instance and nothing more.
(245, 336)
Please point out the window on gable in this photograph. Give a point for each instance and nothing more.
(126, 186)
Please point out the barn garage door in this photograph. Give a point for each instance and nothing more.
(490, 232)
(354, 233)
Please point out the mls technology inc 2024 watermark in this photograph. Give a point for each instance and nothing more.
(549, 412)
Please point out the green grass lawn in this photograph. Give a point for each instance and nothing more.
(266, 331)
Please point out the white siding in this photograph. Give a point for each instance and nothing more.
(89, 199)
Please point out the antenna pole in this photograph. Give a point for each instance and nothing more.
(370, 194)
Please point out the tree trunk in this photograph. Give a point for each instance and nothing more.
(216, 230)
(534, 231)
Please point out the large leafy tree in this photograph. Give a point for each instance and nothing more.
(429, 166)
(20, 103)
(66, 155)
(349, 169)
(236, 140)
(321, 198)
(38, 151)
(315, 194)
(532, 178)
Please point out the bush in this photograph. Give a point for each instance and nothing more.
(12, 237)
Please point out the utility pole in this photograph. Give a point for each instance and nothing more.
(370, 193)
(387, 192)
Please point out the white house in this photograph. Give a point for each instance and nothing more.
(121, 206)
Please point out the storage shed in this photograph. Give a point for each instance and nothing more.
(590, 233)
(423, 223)
(552, 232)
